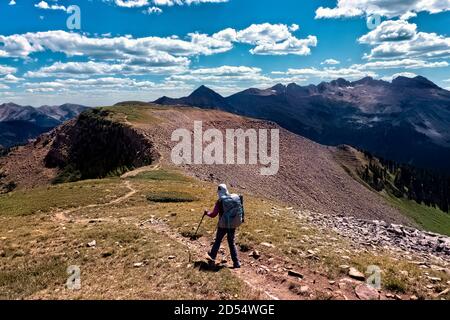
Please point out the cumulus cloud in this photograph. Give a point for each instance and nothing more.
(7, 69)
(276, 39)
(390, 30)
(390, 9)
(11, 78)
(131, 3)
(12, 3)
(401, 63)
(330, 62)
(400, 39)
(270, 39)
(291, 45)
(184, 2)
(152, 10)
(74, 44)
(221, 74)
(44, 5)
(329, 73)
(83, 84)
(92, 68)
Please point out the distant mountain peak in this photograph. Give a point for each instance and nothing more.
(340, 82)
(418, 82)
(279, 88)
(204, 90)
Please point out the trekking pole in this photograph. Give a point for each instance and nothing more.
(198, 227)
(194, 237)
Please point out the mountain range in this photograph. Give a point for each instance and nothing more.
(406, 120)
(20, 123)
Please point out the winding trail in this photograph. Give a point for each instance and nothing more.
(62, 215)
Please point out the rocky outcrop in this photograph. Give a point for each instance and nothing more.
(92, 146)
(383, 234)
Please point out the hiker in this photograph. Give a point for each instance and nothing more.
(230, 208)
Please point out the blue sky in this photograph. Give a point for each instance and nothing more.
(143, 49)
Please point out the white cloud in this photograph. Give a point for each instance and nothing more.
(131, 3)
(292, 45)
(11, 78)
(44, 5)
(387, 8)
(270, 39)
(390, 30)
(264, 33)
(183, 2)
(88, 84)
(274, 39)
(91, 68)
(221, 75)
(12, 3)
(7, 69)
(152, 10)
(74, 44)
(400, 39)
(401, 63)
(329, 73)
(330, 62)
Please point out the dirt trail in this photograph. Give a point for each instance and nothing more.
(137, 171)
(197, 248)
(254, 277)
(62, 215)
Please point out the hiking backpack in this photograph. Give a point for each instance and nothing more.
(233, 211)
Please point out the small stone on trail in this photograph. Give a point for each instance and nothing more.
(255, 254)
(355, 274)
(171, 257)
(107, 253)
(296, 274)
(92, 244)
(435, 279)
(138, 264)
(304, 289)
(268, 245)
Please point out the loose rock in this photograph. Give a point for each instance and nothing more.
(296, 274)
(92, 244)
(364, 292)
(355, 274)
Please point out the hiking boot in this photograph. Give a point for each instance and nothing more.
(236, 265)
(210, 258)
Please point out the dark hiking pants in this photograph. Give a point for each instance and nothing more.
(221, 232)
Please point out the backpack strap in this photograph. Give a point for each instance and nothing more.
(242, 204)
